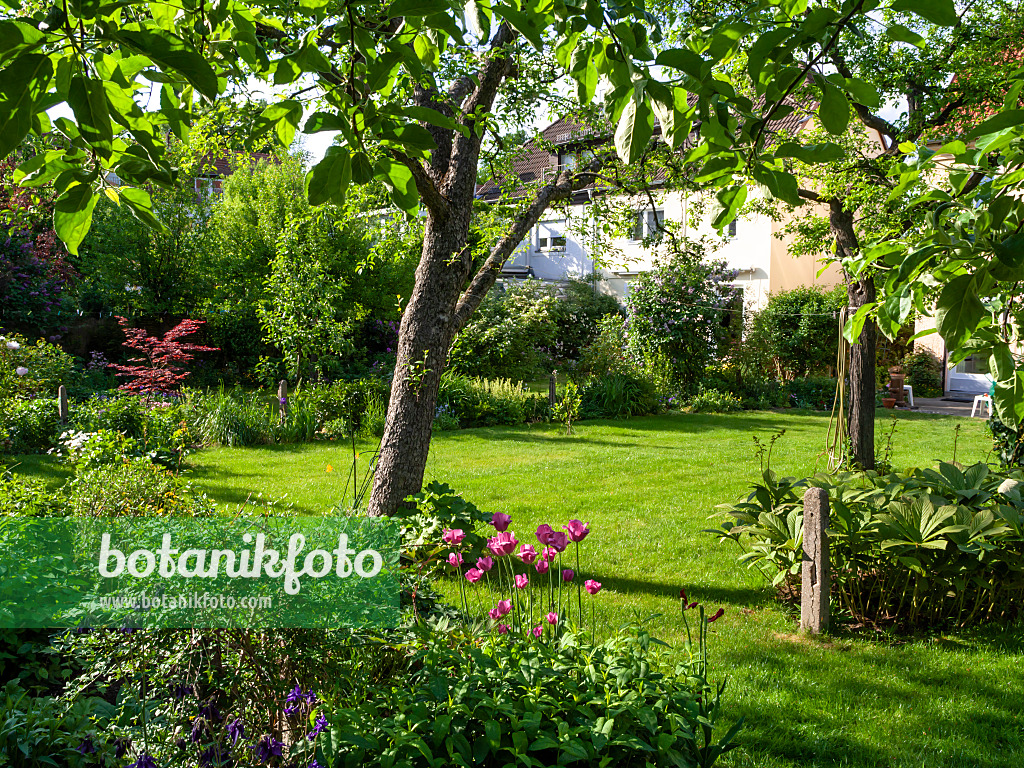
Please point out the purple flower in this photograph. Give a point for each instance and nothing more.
(577, 530)
(264, 749)
(318, 727)
(146, 761)
(236, 730)
(86, 747)
(283, 400)
(501, 521)
(121, 747)
(213, 756)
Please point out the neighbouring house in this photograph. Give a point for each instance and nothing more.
(562, 244)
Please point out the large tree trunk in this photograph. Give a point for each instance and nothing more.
(424, 338)
(862, 353)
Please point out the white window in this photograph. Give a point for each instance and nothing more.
(551, 235)
(648, 224)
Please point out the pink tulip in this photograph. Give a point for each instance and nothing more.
(474, 575)
(522, 580)
(717, 616)
(503, 544)
(453, 536)
(559, 541)
(504, 607)
(549, 553)
(544, 533)
(503, 629)
(484, 563)
(567, 574)
(455, 559)
(493, 614)
(577, 530)
(538, 631)
(552, 618)
(542, 566)
(593, 587)
(527, 554)
(501, 521)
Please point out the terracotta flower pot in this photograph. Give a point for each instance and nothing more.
(889, 402)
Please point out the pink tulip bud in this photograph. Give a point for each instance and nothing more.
(453, 536)
(503, 629)
(538, 631)
(493, 614)
(577, 530)
(522, 580)
(504, 607)
(549, 553)
(544, 533)
(593, 587)
(501, 521)
(527, 554)
(484, 563)
(567, 574)
(552, 618)
(474, 575)
(455, 559)
(542, 566)
(559, 541)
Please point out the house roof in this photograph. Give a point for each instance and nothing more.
(222, 166)
(538, 160)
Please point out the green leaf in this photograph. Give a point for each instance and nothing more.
(323, 121)
(1008, 118)
(417, 8)
(478, 18)
(140, 204)
(1008, 399)
(283, 118)
(959, 311)
(834, 110)
(863, 92)
(636, 126)
(22, 84)
(88, 101)
(782, 185)
(731, 199)
(17, 36)
(855, 325)
(522, 23)
(170, 51)
(399, 182)
(941, 12)
(409, 137)
(684, 60)
(902, 34)
(328, 179)
(72, 215)
(811, 153)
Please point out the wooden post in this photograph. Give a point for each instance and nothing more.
(62, 404)
(282, 399)
(551, 388)
(815, 582)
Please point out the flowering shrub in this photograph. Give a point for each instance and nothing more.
(28, 426)
(713, 401)
(163, 360)
(31, 370)
(87, 450)
(685, 309)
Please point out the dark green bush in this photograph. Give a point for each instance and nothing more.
(815, 392)
(28, 426)
(714, 401)
(922, 548)
(924, 373)
(799, 329)
(618, 395)
(753, 390)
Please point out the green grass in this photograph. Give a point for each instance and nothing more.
(646, 486)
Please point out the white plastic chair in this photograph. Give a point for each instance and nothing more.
(909, 392)
(980, 401)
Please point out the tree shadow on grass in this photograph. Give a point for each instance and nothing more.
(714, 593)
(915, 685)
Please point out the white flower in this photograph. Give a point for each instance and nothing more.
(21, 370)
(13, 345)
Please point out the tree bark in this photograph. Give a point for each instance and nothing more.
(862, 353)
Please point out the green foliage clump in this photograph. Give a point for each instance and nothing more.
(799, 330)
(715, 401)
(439, 508)
(925, 548)
(487, 403)
(133, 486)
(44, 367)
(1007, 442)
(815, 392)
(28, 426)
(619, 395)
(686, 309)
(22, 496)
(924, 373)
(567, 409)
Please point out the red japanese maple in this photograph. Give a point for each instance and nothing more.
(162, 360)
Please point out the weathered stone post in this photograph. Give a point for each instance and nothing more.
(551, 389)
(816, 582)
(282, 399)
(62, 404)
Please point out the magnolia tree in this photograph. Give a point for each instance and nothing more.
(413, 87)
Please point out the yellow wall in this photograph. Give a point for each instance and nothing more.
(789, 272)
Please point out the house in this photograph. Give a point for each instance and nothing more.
(562, 244)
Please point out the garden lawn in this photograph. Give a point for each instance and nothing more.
(647, 486)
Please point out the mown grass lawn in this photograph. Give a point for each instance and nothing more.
(646, 486)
